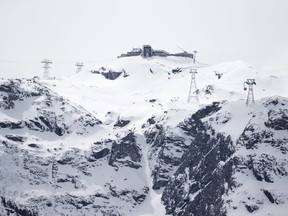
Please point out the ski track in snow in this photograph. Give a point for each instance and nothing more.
(152, 206)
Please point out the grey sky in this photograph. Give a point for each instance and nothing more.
(67, 31)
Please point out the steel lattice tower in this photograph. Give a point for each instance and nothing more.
(193, 92)
(79, 67)
(46, 67)
(250, 96)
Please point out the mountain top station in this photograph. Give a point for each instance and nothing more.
(148, 51)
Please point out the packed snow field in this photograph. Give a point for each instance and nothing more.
(121, 139)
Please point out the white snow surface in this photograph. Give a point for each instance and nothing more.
(149, 89)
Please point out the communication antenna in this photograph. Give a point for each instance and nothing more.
(46, 67)
(193, 92)
(182, 49)
(79, 66)
(250, 97)
(194, 59)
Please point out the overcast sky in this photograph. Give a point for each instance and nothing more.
(67, 31)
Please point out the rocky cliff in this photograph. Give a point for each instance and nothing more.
(62, 155)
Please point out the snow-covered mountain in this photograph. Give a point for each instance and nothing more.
(121, 139)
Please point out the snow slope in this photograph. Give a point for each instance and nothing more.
(168, 88)
(122, 162)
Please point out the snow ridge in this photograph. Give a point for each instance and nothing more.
(121, 140)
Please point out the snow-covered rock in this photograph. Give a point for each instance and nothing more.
(129, 145)
(220, 177)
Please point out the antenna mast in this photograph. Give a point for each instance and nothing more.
(194, 58)
(182, 49)
(193, 92)
(46, 67)
(250, 97)
(79, 66)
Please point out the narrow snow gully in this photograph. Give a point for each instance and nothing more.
(152, 206)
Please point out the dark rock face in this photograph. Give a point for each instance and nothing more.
(209, 90)
(16, 138)
(194, 126)
(111, 75)
(48, 110)
(12, 208)
(263, 167)
(165, 154)
(136, 196)
(197, 186)
(251, 208)
(54, 172)
(195, 165)
(253, 136)
(151, 120)
(269, 196)
(264, 142)
(11, 125)
(278, 113)
(126, 152)
(33, 145)
(11, 91)
(278, 120)
(101, 154)
(176, 70)
(121, 122)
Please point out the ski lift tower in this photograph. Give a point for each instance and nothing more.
(79, 66)
(193, 92)
(46, 67)
(250, 97)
